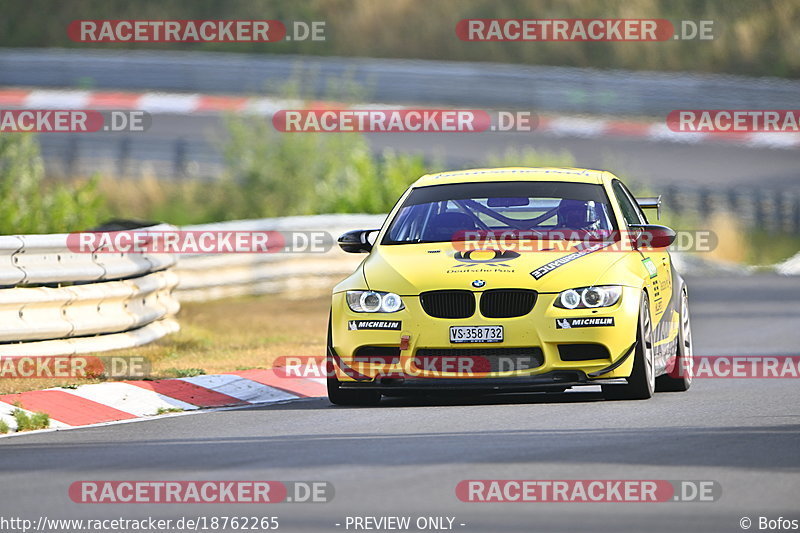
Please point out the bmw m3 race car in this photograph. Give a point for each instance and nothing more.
(508, 280)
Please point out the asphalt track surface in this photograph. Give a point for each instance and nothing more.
(406, 457)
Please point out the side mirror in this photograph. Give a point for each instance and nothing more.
(355, 242)
(651, 235)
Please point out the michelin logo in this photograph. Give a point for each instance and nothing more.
(355, 325)
(588, 322)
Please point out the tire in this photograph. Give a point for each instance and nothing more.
(679, 379)
(339, 396)
(641, 383)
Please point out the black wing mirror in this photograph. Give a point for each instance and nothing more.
(355, 242)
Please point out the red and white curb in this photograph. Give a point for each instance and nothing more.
(184, 104)
(119, 401)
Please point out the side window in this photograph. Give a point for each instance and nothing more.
(630, 211)
(636, 207)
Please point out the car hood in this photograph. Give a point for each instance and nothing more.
(410, 269)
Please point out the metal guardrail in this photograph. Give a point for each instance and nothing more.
(207, 277)
(131, 156)
(544, 89)
(770, 209)
(54, 301)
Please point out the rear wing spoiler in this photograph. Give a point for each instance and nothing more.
(650, 202)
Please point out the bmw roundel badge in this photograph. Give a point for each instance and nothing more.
(478, 283)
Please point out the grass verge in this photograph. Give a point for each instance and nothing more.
(223, 336)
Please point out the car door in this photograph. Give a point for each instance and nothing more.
(659, 286)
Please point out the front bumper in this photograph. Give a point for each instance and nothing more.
(611, 347)
(554, 381)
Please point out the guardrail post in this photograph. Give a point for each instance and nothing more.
(733, 200)
(179, 162)
(758, 212)
(705, 201)
(673, 200)
(796, 215)
(72, 156)
(777, 206)
(123, 156)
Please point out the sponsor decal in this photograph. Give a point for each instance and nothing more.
(355, 325)
(651, 268)
(584, 322)
(561, 261)
(483, 261)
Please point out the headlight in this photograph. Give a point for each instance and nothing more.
(374, 302)
(589, 297)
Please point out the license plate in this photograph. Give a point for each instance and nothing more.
(460, 334)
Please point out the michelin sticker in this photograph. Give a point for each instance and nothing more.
(355, 325)
(588, 322)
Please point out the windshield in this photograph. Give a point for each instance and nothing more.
(441, 213)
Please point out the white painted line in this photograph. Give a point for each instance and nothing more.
(577, 127)
(240, 388)
(773, 140)
(270, 106)
(661, 132)
(169, 103)
(128, 398)
(40, 99)
(380, 107)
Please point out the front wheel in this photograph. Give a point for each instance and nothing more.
(642, 382)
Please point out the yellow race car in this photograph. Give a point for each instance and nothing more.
(508, 280)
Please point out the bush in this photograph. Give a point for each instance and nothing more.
(312, 173)
(26, 422)
(30, 205)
